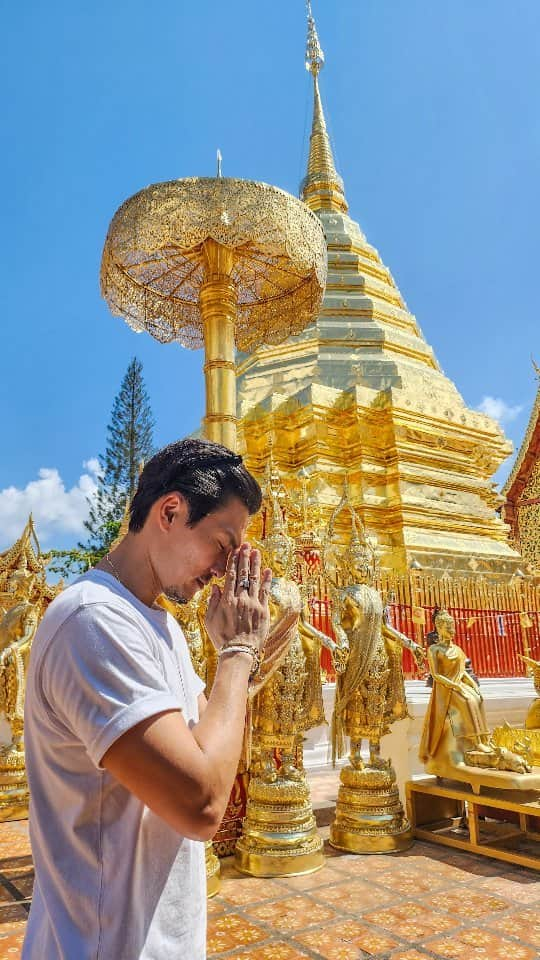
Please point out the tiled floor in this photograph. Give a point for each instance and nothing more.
(429, 902)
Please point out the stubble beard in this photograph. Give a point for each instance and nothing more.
(172, 594)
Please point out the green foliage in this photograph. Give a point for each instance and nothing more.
(129, 444)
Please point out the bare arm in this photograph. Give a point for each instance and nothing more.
(183, 774)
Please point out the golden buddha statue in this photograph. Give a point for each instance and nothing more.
(455, 735)
(370, 696)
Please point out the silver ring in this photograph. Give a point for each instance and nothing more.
(244, 583)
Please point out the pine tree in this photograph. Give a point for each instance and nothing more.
(129, 444)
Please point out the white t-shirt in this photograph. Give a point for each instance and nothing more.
(112, 880)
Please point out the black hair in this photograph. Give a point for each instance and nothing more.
(205, 473)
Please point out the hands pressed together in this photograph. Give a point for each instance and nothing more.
(238, 614)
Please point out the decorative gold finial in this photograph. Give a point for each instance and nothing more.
(314, 51)
(322, 188)
(219, 159)
(536, 368)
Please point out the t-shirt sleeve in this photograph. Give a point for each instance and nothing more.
(101, 676)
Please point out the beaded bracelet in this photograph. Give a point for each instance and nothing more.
(244, 648)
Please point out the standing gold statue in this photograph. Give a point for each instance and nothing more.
(24, 595)
(280, 835)
(370, 696)
(456, 742)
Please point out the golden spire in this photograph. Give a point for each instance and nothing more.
(322, 188)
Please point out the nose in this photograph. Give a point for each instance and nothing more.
(219, 568)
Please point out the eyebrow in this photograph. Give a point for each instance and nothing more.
(233, 542)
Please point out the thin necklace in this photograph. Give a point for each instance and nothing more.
(114, 570)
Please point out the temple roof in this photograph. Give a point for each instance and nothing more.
(528, 454)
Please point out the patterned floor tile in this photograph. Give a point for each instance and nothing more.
(477, 942)
(517, 887)
(216, 906)
(348, 940)
(11, 940)
(409, 883)
(232, 930)
(410, 955)
(241, 890)
(276, 950)
(467, 903)
(291, 913)
(411, 921)
(352, 895)
(524, 924)
(310, 881)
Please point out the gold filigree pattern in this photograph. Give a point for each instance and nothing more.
(153, 260)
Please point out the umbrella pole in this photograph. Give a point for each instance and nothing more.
(218, 311)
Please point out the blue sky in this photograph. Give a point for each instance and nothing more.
(433, 110)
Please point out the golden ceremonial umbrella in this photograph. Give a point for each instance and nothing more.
(215, 262)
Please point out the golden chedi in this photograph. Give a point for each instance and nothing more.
(361, 391)
(370, 696)
(456, 743)
(280, 835)
(24, 596)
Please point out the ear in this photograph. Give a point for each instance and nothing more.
(172, 509)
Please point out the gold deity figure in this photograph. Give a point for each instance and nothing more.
(24, 595)
(290, 702)
(455, 729)
(370, 693)
(17, 628)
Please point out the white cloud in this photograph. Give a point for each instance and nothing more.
(57, 512)
(498, 409)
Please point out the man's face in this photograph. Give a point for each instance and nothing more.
(190, 557)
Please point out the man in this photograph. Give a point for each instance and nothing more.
(129, 766)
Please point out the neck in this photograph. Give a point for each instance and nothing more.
(133, 567)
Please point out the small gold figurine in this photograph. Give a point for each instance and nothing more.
(456, 742)
(370, 696)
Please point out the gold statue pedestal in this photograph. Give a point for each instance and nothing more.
(369, 813)
(484, 778)
(213, 871)
(279, 837)
(14, 795)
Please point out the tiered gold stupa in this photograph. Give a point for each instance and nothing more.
(360, 390)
